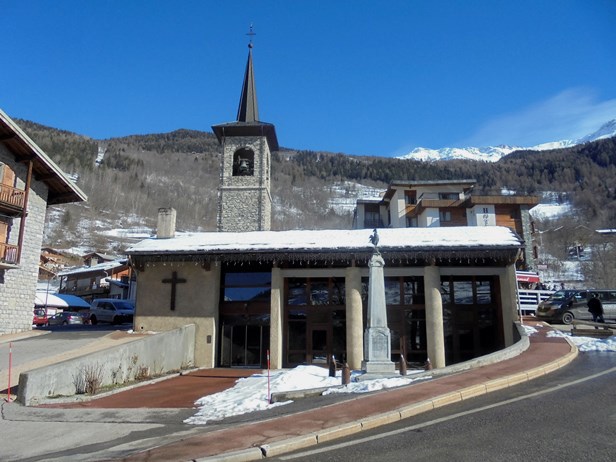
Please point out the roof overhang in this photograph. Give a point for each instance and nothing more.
(248, 129)
(61, 189)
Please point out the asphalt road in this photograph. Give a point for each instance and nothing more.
(59, 339)
(569, 415)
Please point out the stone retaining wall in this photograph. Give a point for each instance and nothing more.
(141, 359)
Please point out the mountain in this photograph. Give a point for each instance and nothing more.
(495, 153)
(127, 179)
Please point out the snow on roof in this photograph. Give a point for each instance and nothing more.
(95, 268)
(332, 240)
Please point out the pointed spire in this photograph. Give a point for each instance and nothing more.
(248, 123)
(248, 110)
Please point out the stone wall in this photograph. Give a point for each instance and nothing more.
(244, 210)
(245, 202)
(18, 286)
(529, 257)
(147, 357)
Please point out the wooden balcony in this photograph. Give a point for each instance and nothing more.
(11, 199)
(8, 254)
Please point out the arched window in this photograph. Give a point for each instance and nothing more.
(244, 162)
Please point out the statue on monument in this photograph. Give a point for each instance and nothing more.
(374, 239)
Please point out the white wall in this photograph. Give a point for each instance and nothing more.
(429, 218)
(481, 215)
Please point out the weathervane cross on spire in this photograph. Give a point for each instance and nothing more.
(250, 34)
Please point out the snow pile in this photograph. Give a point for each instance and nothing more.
(588, 343)
(250, 394)
(530, 330)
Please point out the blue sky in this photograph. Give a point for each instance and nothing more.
(359, 77)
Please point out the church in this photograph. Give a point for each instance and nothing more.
(258, 296)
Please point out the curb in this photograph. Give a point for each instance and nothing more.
(6, 338)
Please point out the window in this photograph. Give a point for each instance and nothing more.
(372, 219)
(248, 286)
(411, 222)
(444, 215)
(316, 291)
(244, 162)
(448, 196)
(410, 197)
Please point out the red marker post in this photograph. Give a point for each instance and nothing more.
(268, 377)
(10, 370)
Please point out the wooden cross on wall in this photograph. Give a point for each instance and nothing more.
(174, 281)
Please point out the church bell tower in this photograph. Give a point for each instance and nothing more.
(244, 199)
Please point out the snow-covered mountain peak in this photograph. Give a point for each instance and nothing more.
(607, 130)
(494, 153)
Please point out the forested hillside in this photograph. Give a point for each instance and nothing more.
(141, 173)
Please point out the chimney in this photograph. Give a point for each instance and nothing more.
(166, 223)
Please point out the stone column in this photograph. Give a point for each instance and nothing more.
(277, 304)
(377, 339)
(509, 296)
(434, 316)
(354, 322)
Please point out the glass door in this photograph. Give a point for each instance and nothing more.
(319, 344)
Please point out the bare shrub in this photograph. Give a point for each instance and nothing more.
(93, 377)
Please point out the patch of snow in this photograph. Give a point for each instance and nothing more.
(585, 344)
(542, 211)
(250, 394)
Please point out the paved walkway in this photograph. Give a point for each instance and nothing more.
(178, 392)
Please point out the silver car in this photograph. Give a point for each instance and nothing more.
(65, 318)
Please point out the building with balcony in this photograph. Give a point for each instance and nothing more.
(446, 203)
(107, 279)
(29, 182)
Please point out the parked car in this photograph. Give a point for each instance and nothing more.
(40, 317)
(111, 310)
(566, 305)
(65, 318)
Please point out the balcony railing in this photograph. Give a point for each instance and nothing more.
(8, 254)
(12, 197)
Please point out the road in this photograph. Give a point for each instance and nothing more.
(59, 338)
(55, 344)
(569, 415)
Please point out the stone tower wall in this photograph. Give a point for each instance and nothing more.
(244, 202)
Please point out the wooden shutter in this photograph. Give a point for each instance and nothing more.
(8, 176)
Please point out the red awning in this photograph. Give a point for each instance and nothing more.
(524, 276)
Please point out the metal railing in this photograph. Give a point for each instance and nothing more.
(529, 300)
